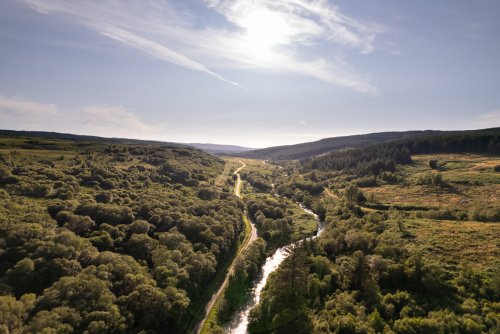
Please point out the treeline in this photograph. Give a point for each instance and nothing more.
(359, 276)
(326, 145)
(380, 158)
(109, 238)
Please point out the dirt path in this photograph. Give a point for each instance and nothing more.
(246, 243)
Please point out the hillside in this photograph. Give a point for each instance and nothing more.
(374, 159)
(81, 138)
(311, 149)
(413, 250)
(100, 237)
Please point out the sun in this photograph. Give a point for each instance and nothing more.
(264, 30)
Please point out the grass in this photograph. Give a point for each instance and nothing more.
(304, 224)
(452, 242)
(469, 181)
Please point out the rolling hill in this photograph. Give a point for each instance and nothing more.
(315, 148)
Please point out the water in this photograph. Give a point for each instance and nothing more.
(239, 324)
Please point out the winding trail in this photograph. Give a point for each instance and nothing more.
(246, 242)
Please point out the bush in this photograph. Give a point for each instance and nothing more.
(433, 164)
(353, 194)
(104, 197)
(434, 179)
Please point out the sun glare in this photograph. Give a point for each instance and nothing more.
(264, 30)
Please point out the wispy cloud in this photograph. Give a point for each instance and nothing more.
(16, 106)
(301, 21)
(113, 117)
(107, 21)
(158, 50)
(101, 120)
(292, 36)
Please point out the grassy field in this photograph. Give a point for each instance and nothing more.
(468, 181)
(453, 242)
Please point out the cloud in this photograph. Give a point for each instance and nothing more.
(104, 23)
(100, 120)
(490, 119)
(304, 20)
(306, 37)
(16, 106)
(158, 51)
(112, 117)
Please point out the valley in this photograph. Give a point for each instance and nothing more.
(177, 239)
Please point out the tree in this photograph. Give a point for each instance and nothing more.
(433, 164)
(353, 194)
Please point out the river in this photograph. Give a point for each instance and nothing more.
(239, 324)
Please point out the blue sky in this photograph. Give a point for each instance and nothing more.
(248, 72)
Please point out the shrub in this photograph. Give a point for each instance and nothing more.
(104, 197)
(433, 164)
(429, 178)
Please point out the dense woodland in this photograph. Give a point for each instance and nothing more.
(279, 221)
(360, 277)
(366, 273)
(375, 159)
(109, 238)
(327, 145)
(123, 237)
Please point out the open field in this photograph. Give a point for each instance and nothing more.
(468, 181)
(452, 242)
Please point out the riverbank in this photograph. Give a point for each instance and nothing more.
(250, 235)
(240, 320)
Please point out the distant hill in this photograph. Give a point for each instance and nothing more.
(81, 138)
(210, 148)
(381, 157)
(218, 149)
(315, 148)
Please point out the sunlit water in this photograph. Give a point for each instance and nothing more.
(239, 324)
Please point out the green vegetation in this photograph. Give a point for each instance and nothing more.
(411, 249)
(367, 274)
(129, 237)
(98, 237)
(245, 272)
(327, 145)
(464, 188)
(279, 220)
(373, 160)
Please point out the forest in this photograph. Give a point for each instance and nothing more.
(110, 237)
(410, 242)
(327, 145)
(373, 160)
(127, 237)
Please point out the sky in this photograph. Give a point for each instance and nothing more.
(254, 73)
